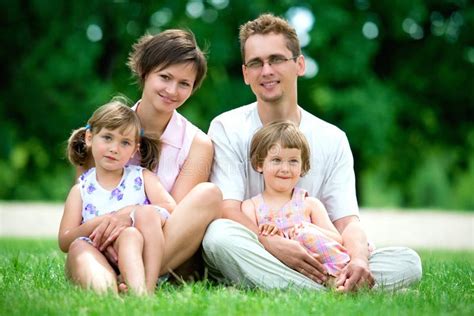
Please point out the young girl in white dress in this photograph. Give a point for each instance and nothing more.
(112, 136)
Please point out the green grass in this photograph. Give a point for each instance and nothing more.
(32, 282)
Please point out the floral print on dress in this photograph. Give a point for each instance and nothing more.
(292, 216)
(91, 210)
(116, 193)
(86, 173)
(129, 191)
(91, 188)
(137, 183)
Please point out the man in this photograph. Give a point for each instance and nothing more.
(233, 249)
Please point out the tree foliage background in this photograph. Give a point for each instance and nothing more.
(396, 76)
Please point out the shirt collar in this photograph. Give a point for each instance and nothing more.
(172, 134)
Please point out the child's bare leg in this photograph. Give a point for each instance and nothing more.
(129, 248)
(88, 267)
(149, 222)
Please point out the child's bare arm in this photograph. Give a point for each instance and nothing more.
(156, 193)
(319, 216)
(71, 228)
(249, 210)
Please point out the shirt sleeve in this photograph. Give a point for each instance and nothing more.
(228, 170)
(338, 190)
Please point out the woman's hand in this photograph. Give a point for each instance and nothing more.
(109, 229)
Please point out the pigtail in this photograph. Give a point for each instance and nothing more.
(150, 148)
(77, 151)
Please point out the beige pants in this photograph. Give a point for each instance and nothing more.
(234, 255)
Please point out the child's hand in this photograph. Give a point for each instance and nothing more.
(292, 233)
(268, 229)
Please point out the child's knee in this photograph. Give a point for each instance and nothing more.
(130, 234)
(146, 214)
(77, 246)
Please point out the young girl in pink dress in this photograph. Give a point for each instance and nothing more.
(281, 153)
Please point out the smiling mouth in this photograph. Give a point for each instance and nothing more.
(110, 158)
(167, 99)
(269, 84)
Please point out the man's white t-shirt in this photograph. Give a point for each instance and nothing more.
(331, 178)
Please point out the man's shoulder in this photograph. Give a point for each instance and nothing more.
(242, 113)
(238, 122)
(313, 124)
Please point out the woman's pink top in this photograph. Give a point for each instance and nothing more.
(176, 143)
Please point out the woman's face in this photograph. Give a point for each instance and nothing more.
(168, 88)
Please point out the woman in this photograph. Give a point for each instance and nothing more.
(170, 67)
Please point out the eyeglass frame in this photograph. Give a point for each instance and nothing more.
(260, 63)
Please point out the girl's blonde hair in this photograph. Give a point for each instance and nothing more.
(114, 115)
(283, 133)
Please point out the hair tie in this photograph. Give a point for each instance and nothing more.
(142, 132)
(88, 126)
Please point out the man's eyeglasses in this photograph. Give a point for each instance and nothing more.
(257, 63)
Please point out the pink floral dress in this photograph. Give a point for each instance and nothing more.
(292, 216)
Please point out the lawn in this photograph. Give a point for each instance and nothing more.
(32, 282)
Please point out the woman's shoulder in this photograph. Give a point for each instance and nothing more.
(193, 133)
(202, 139)
(201, 144)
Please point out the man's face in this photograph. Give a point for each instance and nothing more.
(270, 68)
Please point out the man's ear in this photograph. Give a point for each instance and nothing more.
(301, 66)
(88, 138)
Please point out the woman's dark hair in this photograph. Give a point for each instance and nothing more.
(170, 47)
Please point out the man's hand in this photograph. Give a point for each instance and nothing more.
(294, 255)
(355, 275)
(109, 229)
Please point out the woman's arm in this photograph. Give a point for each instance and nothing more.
(196, 168)
(156, 193)
(319, 216)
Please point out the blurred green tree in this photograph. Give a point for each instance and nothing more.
(396, 77)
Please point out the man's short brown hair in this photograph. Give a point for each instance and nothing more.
(268, 23)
